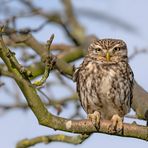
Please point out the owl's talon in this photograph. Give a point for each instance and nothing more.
(116, 125)
(95, 119)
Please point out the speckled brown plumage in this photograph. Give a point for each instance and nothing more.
(104, 79)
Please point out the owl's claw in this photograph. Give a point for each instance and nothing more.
(95, 119)
(116, 125)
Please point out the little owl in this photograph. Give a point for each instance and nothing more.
(105, 81)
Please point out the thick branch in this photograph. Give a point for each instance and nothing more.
(140, 101)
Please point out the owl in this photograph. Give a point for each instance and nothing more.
(104, 82)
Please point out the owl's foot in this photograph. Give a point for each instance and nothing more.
(116, 125)
(95, 119)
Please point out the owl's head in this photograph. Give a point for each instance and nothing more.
(108, 51)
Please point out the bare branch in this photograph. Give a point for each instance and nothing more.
(53, 138)
(48, 63)
(137, 52)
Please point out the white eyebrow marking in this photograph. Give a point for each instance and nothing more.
(96, 46)
(117, 45)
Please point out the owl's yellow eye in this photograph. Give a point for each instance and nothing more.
(116, 49)
(98, 49)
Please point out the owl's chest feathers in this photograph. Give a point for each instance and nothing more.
(100, 76)
(106, 82)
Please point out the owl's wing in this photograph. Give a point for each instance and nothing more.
(131, 78)
(131, 74)
(75, 74)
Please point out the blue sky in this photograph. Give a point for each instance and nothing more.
(18, 124)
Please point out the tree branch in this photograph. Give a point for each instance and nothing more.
(73, 27)
(137, 52)
(52, 102)
(48, 139)
(48, 64)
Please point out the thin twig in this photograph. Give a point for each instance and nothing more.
(48, 64)
(137, 52)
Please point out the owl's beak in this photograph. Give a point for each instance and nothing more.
(107, 56)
